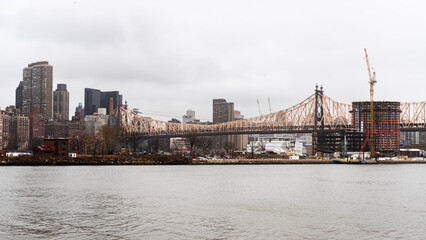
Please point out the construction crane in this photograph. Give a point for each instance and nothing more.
(372, 82)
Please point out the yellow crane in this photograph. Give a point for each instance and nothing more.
(372, 82)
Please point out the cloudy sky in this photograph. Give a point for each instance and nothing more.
(169, 56)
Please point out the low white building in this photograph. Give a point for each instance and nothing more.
(94, 123)
(278, 147)
(179, 145)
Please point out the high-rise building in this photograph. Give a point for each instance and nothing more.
(37, 88)
(61, 102)
(94, 99)
(19, 95)
(222, 111)
(110, 100)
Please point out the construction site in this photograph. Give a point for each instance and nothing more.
(375, 129)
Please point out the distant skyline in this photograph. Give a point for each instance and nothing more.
(165, 57)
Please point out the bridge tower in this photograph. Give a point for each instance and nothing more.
(319, 110)
(318, 119)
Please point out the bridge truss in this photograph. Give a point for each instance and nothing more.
(413, 116)
(316, 111)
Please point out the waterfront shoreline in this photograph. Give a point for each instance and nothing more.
(169, 160)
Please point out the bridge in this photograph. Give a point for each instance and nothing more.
(318, 111)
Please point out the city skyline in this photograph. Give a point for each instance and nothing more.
(167, 58)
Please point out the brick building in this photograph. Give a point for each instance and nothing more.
(56, 129)
(37, 128)
(19, 132)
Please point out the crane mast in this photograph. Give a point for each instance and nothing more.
(372, 82)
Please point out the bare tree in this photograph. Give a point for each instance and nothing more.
(252, 145)
(229, 147)
(133, 139)
(154, 145)
(205, 143)
(111, 138)
(192, 141)
(34, 142)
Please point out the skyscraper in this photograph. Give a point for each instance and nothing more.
(107, 98)
(19, 95)
(61, 102)
(94, 99)
(37, 88)
(222, 111)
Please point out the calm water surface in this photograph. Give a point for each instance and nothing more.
(214, 202)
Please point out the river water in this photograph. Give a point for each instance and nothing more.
(214, 202)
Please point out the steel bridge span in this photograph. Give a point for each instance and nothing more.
(317, 112)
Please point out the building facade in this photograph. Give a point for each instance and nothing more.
(386, 125)
(37, 128)
(79, 112)
(76, 128)
(5, 129)
(37, 88)
(189, 117)
(92, 101)
(19, 133)
(19, 95)
(240, 140)
(15, 129)
(61, 102)
(222, 111)
(110, 100)
(56, 129)
(94, 123)
(95, 98)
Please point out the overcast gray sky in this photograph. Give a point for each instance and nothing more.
(169, 56)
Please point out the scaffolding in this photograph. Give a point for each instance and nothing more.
(386, 125)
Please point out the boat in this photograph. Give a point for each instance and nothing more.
(346, 161)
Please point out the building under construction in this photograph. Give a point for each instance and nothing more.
(386, 125)
(331, 141)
